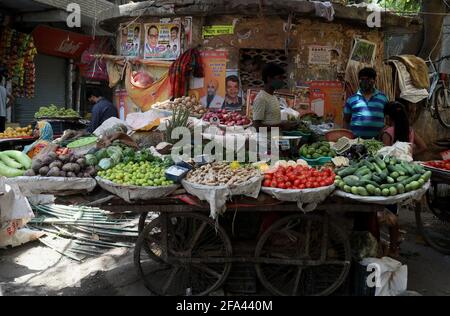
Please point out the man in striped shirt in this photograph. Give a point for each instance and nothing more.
(364, 111)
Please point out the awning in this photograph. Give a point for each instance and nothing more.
(56, 42)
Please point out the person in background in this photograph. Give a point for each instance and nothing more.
(399, 130)
(364, 111)
(5, 100)
(232, 99)
(44, 133)
(266, 107)
(211, 100)
(102, 109)
(174, 34)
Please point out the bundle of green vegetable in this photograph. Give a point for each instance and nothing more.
(54, 111)
(381, 177)
(13, 163)
(373, 146)
(110, 157)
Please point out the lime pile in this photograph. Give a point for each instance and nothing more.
(151, 174)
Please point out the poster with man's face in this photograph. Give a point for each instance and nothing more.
(233, 93)
(162, 41)
(212, 96)
(130, 40)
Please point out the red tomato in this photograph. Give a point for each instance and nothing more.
(297, 182)
(316, 184)
(322, 183)
(308, 184)
(267, 183)
(268, 177)
(288, 184)
(280, 179)
(302, 186)
(274, 184)
(281, 186)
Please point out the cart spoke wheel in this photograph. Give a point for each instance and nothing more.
(167, 245)
(433, 229)
(321, 245)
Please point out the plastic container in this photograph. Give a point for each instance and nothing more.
(176, 173)
(318, 161)
(305, 136)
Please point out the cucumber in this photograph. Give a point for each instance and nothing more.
(408, 168)
(418, 168)
(20, 157)
(380, 163)
(352, 181)
(371, 189)
(377, 179)
(362, 171)
(393, 191)
(421, 182)
(386, 160)
(402, 171)
(408, 188)
(347, 189)
(400, 188)
(10, 172)
(337, 178)
(393, 161)
(402, 178)
(390, 180)
(377, 169)
(385, 192)
(377, 192)
(383, 175)
(354, 190)
(347, 171)
(388, 186)
(367, 176)
(366, 182)
(362, 191)
(411, 179)
(395, 175)
(9, 162)
(415, 185)
(341, 185)
(427, 176)
(369, 165)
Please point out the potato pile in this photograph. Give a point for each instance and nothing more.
(220, 174)
(189, 103)
(67, 166)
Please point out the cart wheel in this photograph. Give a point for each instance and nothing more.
(433, 229)
(195, 260)
(142, 220)
(303, 255)
(438, 199)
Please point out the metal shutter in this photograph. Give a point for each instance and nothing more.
(50, 88)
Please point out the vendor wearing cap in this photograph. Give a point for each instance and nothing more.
(266, 107)
(364, 111)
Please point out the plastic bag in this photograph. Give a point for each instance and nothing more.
(389, 276)
(13, 204)
(218, 196)
(400, 150)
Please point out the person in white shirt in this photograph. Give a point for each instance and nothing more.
(211, 100)
(4, 96)
(266, 107)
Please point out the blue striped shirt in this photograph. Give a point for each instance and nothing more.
(367, 116)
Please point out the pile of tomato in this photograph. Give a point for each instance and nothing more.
(441, 164)
(299, 177)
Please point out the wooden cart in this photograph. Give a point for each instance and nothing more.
(185, 252)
